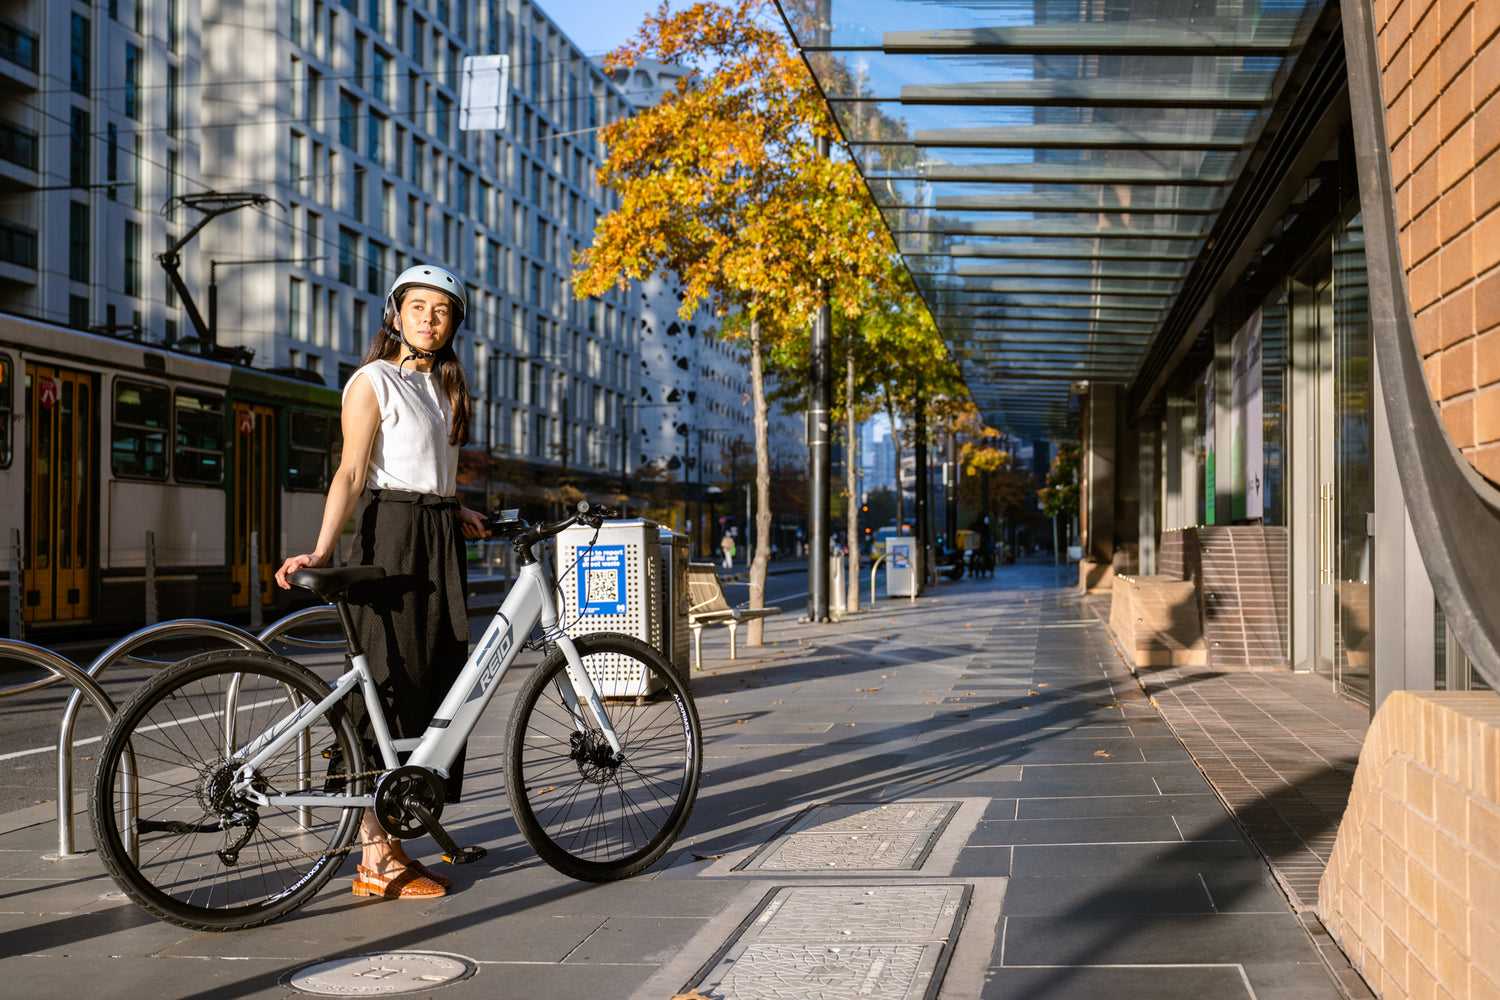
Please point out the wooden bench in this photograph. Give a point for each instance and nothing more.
(708, 606)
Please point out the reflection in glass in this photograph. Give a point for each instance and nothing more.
(1354, 481)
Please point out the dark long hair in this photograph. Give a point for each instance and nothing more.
(386, 345)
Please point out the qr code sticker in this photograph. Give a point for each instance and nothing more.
(603, 586)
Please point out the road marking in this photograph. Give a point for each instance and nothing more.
(146, 729)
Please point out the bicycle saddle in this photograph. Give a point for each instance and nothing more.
(331, 582)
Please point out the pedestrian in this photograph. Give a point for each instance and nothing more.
(405, 414)
(727, 544)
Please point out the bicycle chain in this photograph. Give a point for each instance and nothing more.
(333, 850)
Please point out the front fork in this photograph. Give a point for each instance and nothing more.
(582, 684)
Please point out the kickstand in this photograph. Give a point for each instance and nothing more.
(452, 853)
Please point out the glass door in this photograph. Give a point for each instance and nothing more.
(60, 462)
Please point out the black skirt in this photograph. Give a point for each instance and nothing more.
(413, 625)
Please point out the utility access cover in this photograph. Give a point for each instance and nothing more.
(380, 975)
(864, 942)
(855, 836)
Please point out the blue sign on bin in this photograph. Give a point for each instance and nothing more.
(601, 580)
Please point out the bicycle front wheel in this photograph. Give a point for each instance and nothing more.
(178, 840)
(588, 812)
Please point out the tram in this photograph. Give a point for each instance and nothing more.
(114, 453)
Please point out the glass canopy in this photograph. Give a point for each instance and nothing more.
(1050, 169)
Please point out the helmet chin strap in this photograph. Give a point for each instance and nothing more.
(413, 354)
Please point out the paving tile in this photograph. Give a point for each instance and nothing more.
(1105, 859)
(1102, 938)
(1083, 982)
(1090, 830)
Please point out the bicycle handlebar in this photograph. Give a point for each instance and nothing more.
(508, 523)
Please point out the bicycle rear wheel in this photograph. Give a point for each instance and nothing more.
(182, 845)
(587, 812)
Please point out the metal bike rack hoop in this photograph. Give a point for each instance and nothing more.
(197, 627)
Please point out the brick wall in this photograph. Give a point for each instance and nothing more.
(1240, 574)
(1440, 63)
(1412, 889)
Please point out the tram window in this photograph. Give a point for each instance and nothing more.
(7, 379)
(138, 444)
(200, 438)
(307, 467)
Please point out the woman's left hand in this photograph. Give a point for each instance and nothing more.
(471, 523)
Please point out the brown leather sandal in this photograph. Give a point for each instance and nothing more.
(407, 884)
(429, 874)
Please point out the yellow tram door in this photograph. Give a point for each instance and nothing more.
(60, 467)
(255, 492)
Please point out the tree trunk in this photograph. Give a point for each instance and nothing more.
(762, 560)
(851, 484)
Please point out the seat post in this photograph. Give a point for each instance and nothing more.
(346, 620)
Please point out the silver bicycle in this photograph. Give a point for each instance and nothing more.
(231, 785)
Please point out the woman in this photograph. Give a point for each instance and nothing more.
(405, 414)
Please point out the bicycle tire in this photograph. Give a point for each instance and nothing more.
(174, 727)
(597, 820)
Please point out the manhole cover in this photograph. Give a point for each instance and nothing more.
(860, 836)
(381, 974)
(860, 942)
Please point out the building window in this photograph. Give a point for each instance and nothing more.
(199, 443)
(138, 438)
(78, 312)
(78, 149)
(111, 156)
(295, 320)
(359, 193)
(379, 85)
(374, 268)
(78, 241)
(312, 239)
(444, 118)
(79, 63)
(132, 81)
(296, 23)
(376, 15)
(387, 207)
(359, 324)
(173, 101)
(359, 60)
(346, 256)
(294, 164)
(174, 23)
(376, 138)
(310, 109)
(348, 109)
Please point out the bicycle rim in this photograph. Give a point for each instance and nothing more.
(586, 813)
(201, 858)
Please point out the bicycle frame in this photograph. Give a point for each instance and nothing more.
(530, 601)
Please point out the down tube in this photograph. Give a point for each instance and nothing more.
(476, 685)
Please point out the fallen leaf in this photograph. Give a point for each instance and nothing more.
(695, 995)
(851, 725)
(1044, 684)
(741, 721)
(962, 715)
(1102, 753)
(707, 857)
(867, 689)
(1033, 693)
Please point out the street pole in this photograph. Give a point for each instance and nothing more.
(924, 524)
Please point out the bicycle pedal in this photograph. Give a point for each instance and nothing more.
(465, 855)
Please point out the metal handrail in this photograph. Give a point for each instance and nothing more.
(876, 565)
(197, 627)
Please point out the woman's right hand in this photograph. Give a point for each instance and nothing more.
(294, 563)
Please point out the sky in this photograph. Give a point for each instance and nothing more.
(598, 27)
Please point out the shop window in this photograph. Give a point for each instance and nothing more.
(7, 397)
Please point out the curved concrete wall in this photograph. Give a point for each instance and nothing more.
(1412, 889)
(1440, 71)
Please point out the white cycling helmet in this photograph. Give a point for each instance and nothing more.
(429, 276)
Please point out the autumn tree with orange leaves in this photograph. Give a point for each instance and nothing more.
(720, 186)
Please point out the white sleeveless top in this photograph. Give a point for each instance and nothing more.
(411, 449)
